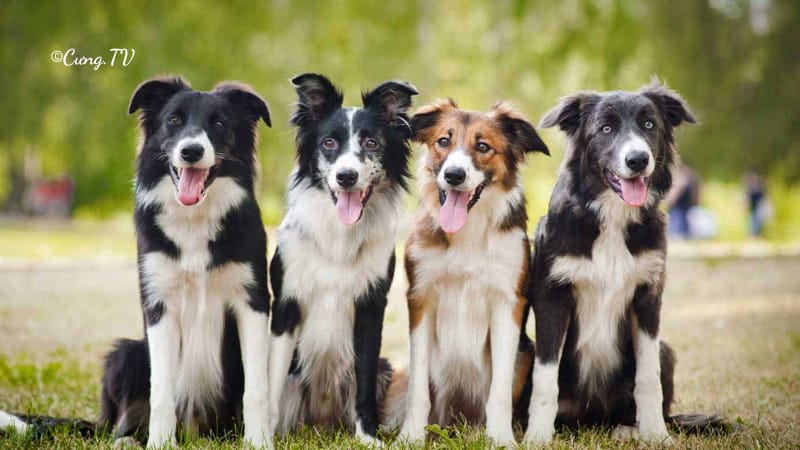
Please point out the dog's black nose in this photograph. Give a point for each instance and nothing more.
(455, 175)
(192, 153)
(637, 161)
(346, 177)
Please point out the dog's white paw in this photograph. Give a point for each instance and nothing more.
(259, 440)
(369, 441)
(626, 432)
(161, 441)
(411, 435)
(505, 441)
(537, 438)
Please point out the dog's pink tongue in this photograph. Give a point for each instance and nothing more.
(453, 214)
(349, 206)
(190, 186)
(634, 191)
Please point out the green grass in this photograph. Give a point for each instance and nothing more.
(733, 323)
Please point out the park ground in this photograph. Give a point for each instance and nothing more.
(731, 312)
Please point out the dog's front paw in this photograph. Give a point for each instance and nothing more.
(505, 440)
(626, 432)
(501, 436)
(537, 438)
(412, 434)
(660, 437)
(159, 441)
(258, 440)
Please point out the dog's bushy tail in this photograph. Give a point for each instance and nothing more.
(696, 423)
(45, 426)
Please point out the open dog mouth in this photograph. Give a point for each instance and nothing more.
(632, 191)
(350, 204)
(455, 205)
(192, 182)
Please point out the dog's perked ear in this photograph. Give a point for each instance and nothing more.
(244, 97)
(392, 99)
(569, 113)
(672, 107)
(521, 135)
(317, 97)
(152, 95)
(427, 116)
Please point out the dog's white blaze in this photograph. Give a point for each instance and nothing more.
(10, 421)
(604, 286)
(647, 392)
(544, 403)
(201, 139)
(369, 171)
(459, 158)
(327, 266)
(192, 227)
(634, 143)
(418, 401)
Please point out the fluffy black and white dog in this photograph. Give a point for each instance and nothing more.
(335, 257)
(202, 365)
(202, 270)
(598, 271)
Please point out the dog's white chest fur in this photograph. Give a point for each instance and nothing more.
(198, 295)
(603, 286)
(479, 269)
(327, 266)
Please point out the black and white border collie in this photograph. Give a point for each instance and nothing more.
(335, 257)
(467, 265)
(202, 271)
(202, 364)
(598, 271)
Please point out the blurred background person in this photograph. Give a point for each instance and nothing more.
(758, 204)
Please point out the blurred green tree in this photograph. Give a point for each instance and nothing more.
(735, 61)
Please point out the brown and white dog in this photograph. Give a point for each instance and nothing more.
(467, 265)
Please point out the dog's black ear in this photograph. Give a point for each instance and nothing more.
(520, 133)
(427, 116)
(569, 112)
(317, 97)
(243, 96)
(673, 108)
(152, 95)
(392, 99)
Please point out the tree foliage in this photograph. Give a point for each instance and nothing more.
(741, 76)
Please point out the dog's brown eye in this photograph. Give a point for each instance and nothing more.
(370, 144)
(330, 144)
(606, 129)
(483, 147)
(443, 142)
(174, 120)
(648, 125)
